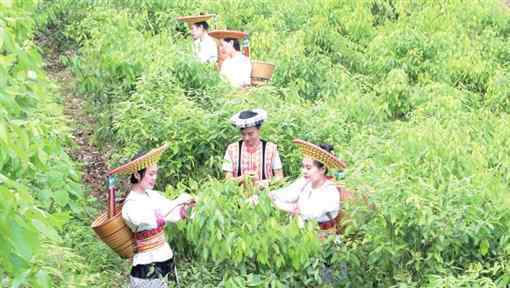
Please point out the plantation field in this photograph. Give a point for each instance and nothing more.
(414, 95)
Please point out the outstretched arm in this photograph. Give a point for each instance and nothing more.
(176, 209)
(290, 207)
(286, 198)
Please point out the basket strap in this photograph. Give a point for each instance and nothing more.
(110, 180)
(246, 46)
(239, 158)
(264, 143)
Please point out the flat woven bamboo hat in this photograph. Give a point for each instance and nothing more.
(195, 19)
(221, 34)
(317, 153)
(151, 158)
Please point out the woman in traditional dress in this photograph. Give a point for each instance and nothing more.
(314, 196)
(252, 155)
(146, 212)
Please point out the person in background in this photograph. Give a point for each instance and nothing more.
(236, 68)
(204, 46)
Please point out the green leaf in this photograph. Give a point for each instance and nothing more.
(484, 247)
(6, 3)
(61, 196)
(42, 279)
(2, 36)
(24, 239)
(46, 230)
(20, 279)
(3, 131)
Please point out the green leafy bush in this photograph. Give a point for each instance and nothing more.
(226, 230)
(38, 181)
(412, 93)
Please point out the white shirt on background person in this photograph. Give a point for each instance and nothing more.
(205, 50)
(237, 70)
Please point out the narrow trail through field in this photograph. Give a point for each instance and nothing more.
(93, 162)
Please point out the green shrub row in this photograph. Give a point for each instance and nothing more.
(413, 94)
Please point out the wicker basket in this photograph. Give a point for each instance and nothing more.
(115, 233)
(261, 72)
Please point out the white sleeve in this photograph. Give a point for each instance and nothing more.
(245, 73)
(227, 162)
(208, 51)
(213, 51)
(172, 208)
(195, 47)
(127, 209)
(289, 194)
(135, 218)
(276, 163)
(225, 71)
(174, 215)
(327, 205)
(237, 71)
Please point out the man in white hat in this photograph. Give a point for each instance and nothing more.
(251, 155)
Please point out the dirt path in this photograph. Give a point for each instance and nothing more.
(93, 162)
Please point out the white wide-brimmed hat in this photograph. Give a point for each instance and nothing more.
(249, 118)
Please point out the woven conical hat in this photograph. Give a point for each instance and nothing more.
(151, 158)
(317, 153)
(221, 34)
(195, 19)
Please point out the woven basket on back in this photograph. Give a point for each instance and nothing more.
(261, 72)
(115, 233)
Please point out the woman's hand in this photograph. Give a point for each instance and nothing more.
(262, 183)
(294, 210)
(239, 179)
(185, 198)
(253, 200)
(186, 209)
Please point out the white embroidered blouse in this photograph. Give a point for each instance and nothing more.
(141, 212)
(321, 204)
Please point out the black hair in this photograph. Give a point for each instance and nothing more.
(247, 114)
(235, 42)
(258, 125)
(141, 172)
(319, 164)
(202, 25)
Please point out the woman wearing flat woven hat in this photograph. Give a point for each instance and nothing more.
(314, 196)
(146, 212)
(234, 67)
(204, 46)
(252, 156)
